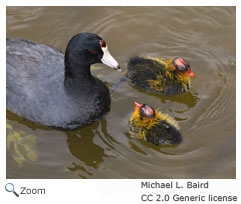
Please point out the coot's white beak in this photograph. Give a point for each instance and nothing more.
(109, 60)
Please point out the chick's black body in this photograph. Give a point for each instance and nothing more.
(152, 76)
(163, 134)
(44, 88)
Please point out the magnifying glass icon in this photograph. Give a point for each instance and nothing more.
(9, 187)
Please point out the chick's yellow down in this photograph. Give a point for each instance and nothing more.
(153, 126)
(160, 75)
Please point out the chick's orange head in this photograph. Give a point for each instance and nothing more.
(183, 66)
(144, 110)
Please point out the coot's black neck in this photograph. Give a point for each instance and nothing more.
(77, 73)
(81, 72)
(77, 66)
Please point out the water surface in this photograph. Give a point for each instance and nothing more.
(203, 35)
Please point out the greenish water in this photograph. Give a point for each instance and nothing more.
(203, 35)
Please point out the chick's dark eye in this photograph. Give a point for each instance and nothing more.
(182, 68)
(102, 44)
(143, 112)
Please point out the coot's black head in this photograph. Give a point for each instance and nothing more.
(85, 49)
(182, 66)
(145, 110)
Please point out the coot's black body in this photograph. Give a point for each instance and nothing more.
(53, 89)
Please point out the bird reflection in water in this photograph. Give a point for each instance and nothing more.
(90, 147)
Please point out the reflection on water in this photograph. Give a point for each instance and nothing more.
(21, 145)
(91, 154)
(205, 36)
(188, 98)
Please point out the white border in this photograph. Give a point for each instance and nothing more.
(3, 89)
(238, 92)
(111, 190)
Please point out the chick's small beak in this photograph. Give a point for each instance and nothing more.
(138, 105)
(191, 74)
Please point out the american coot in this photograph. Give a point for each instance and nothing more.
(154, 126)
(57, 90)
(160, 75)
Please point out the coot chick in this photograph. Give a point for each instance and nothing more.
(47, 87)
(160, 75)
(153, 126)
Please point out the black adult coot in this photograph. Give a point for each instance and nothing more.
(160, 75)
(57, 90)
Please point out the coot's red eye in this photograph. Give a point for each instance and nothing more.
(93, 51)
(102, 44)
